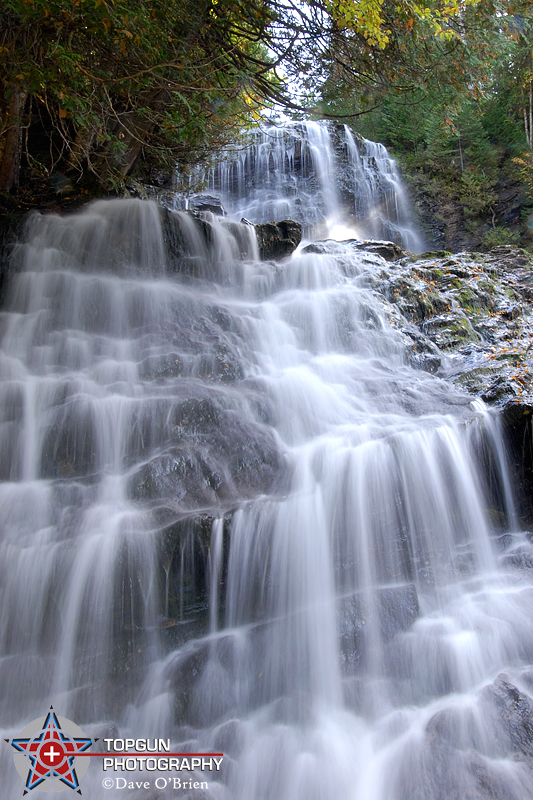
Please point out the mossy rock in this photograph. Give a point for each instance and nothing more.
(433, 254)
(450, 331)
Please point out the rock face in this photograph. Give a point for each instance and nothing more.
(394, 609)
(512, 711)
(278, 239)
(507, 733)
(191, 235)
(9, 233)
(474, 308)
(517, 418)
(206, 202)
(469, 318)
(216, 460)
(448, 219)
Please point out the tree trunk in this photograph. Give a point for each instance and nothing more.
(530, 114)
(11, 139)
(134, 132)
(81, 148)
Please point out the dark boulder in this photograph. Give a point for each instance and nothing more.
(511, 712)
(518, 431)
(216, 460)
(387, 250)
(206, 202)
(10, 232)
(278, 239)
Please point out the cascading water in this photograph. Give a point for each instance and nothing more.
(234, 517)
(319, 174)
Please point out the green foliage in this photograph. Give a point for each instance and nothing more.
(500, 236)
(476, 193)
(92, 85)
(424, 92)
(103, 79)
(372, 19)
(524, 168)
(454, 111)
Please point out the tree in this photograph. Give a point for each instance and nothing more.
(86, 84)
(421, 84)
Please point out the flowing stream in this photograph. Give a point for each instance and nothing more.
(233, 516)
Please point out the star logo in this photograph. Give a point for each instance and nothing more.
(47, 750)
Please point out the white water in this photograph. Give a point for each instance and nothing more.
(319, 175)
(357, 609)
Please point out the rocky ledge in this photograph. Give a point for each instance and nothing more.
(469, 318)
(278, 239)
(476, 309)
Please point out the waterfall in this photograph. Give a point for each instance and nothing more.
(335, 183)
(233, 516)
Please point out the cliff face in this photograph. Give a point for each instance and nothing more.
(457, 214)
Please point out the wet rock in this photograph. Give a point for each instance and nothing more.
(69, 449)
(431, 254)
(102, 730)
(394, 609)
(446, 726)
(190, 479)
(520, 558)
(207, 202)
(23, 678)
(498, 390)
(490, 783)
(322, 247)
(475, 309)
(398, 609)
(230, 738)
(387, 250)
(512, 712)
(203, 679)
(517, 427)
(219, 459)
(450, 331)
(508, 257)
(191, 237)
(10, 233)
(278, 239)
(184, 244)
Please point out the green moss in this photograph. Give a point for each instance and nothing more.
(469, 300)
(474, 375)
(462, 326)
(511, 293)
(433, 254)
(513, 358)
